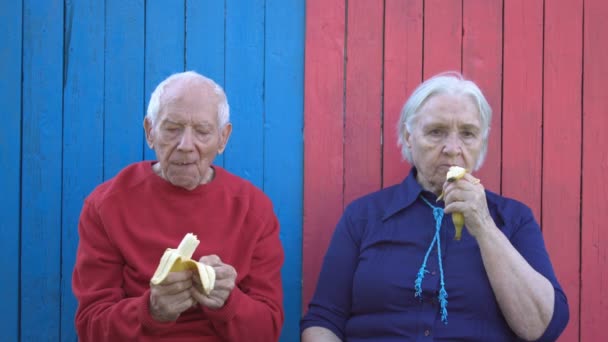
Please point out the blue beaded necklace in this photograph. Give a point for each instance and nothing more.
(443, 295)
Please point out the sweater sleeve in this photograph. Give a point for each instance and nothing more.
(528, 240)
(254, 309)
(104, 312)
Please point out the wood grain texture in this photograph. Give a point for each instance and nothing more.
(123, 85)
(43, 58)
(363, 107)
(403, 24)
(10, 164)
(482, 63)
(522, 102)
(205, 42)
(323, 133)
(83, 132)
(283, 148)
(164, 52)
(442, 36)
(561, 143)
(594, 244)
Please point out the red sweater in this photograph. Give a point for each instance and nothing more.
(127, 223)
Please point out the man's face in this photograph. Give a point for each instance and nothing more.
(186, 135)
(447, 131)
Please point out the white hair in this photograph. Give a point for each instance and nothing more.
(452, 83)
(154, 107)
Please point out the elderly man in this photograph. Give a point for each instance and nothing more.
(129, 221)
(396, 270)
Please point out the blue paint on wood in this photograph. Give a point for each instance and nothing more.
(283, 142)
(83, 108)
(164, 46)
(10, 165)
(205, 22)
(124, 84)
(41, 169)
(245, 88)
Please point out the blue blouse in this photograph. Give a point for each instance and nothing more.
(366, 286)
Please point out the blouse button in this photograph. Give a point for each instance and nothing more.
(427, 332)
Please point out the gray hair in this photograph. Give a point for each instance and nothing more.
(154, 107)
(445, 83)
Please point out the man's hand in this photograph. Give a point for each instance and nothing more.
(225, 278)
(171, 297)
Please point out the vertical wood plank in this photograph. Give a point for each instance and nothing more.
(83, 100)
(362, 127)
(164, 54)
(482, 63)
(562, 147)
(283, 148)
(522, 106)
(245, 88)
(41, 170)
(10, 164)
(402, 74)
(323, 133)
(442, 36)
(205, 42)
(124, 85)
(594, 298)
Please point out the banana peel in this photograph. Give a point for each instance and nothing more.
(174, 260)
(455, 173)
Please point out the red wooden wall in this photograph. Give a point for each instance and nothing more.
(542, 66)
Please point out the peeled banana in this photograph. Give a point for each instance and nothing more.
(455, 173)
(179, 259)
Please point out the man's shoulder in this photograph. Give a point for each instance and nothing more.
(243, 190)
(127, 178)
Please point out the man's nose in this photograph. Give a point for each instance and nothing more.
(186, 141)
(452, 145)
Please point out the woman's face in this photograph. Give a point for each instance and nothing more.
(446, 131)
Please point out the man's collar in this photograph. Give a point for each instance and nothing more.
(406, 194)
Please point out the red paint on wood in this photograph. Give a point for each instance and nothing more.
(442, 36)
(562, 148)
(522, 106)
(323, 133)
(362, 160)
(594, 299)
(482, 63)
(402, 74)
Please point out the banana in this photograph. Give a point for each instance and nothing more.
(455, 173)
(179, 259)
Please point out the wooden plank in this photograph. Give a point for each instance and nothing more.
(10, 164)
(164, 47)
(442, 36)
(402, 74)
(283, 148)
(594, 296)
(205, 42)
(124, 85)
(363, 108)
(323, 133)
(245, 88)
(522, 102)
(482, 63)
(41, 170)
(561, 177)
(83, 101)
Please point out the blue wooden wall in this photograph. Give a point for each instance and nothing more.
(75, 77)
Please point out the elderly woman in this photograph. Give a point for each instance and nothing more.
(393, 270)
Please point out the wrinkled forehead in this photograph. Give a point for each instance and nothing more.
(190, 96)
(446, 106)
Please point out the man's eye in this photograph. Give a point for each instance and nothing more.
(435, 132)
(468, 134)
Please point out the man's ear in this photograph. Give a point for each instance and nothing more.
(224, 136)
(149, 132)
